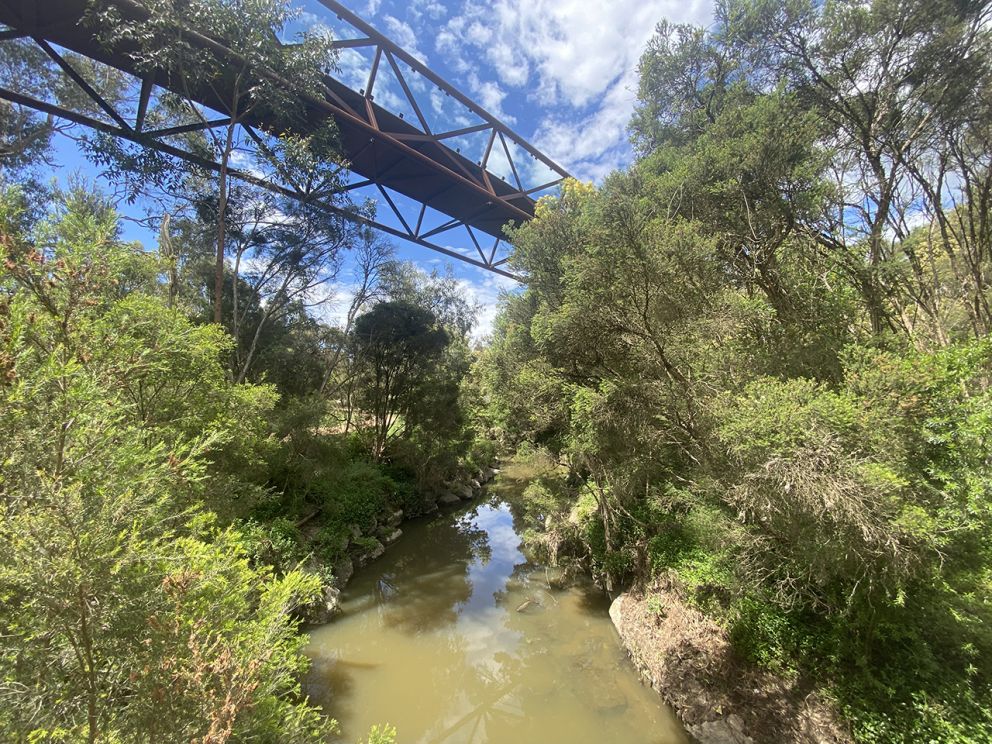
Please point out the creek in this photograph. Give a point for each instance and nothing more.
(454, 636)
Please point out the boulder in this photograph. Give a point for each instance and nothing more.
(325, 608)
(729, 730)
(448, 498)
(393, 536)
(610, 701)
(342, 571)
(475, 485)
(375, 550)
(598, 692)
(555, 576)
(395, 518)
(342, 543)
(464, 491)
(616, 612)
(355, 530)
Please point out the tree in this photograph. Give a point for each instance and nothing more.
(372, 259)
(760, 351)
(127, 613)
(286, 254)
(396, 345)
(25, 136)
(256, 77)
(893, 85)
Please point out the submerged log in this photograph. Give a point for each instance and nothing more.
(527, 603)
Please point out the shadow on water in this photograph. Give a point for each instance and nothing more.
(455, 636)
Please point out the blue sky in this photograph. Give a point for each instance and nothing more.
(561, 73)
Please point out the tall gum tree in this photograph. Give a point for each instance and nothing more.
(234, 49)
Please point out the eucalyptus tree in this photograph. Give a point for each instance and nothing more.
(25, 135)
(372, 260)
(235, 49)
(900, 91)
(846, 122)
(725, 147)
(286, 253)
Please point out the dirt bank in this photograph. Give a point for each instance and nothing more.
(687, 658)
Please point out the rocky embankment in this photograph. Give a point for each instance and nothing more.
(360, 548)
(688, 659)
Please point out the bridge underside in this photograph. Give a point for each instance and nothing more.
(439, 198)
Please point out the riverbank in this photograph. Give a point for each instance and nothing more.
(358, 547)
(683, 654)
(688, 659)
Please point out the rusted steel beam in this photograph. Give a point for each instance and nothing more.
(176, 152)
(357, 22)
(419, 165)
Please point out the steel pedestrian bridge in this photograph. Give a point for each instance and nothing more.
(451, 182)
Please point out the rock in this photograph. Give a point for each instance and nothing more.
(395, 518)
(355, 530)
(610, 701)
(464, 492)
(325, 608)
(488, 474)
(616, 611)
(341, 544)
(556, 577)
(374, 551)
(689, 659)
(393, 536)
(597, 691)
(447, 498)
(721, 732)
(475, 485)
(342, 571)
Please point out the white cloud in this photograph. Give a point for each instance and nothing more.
(592, 145)
(489, 95)
(431, 8)
(403, 34)
(334, 302)
(247, 162)
(576, 58)
(485, 292)
(575, 47)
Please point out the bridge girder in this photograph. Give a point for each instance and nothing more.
(382, 149)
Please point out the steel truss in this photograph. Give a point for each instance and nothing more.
(382, 149)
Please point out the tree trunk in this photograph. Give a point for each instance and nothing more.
(221, 224)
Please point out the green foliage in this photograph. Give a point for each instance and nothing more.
(384, 734)
(765, 634)
(358, 494)
(25, 136)
(766, 385)
(275, 543)
(126, 612)
(399, 346)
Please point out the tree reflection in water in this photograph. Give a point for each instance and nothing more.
(431, 641)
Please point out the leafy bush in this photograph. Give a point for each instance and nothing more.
(127, 614)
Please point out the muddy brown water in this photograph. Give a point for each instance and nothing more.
(431, 641)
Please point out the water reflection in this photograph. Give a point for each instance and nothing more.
(431, 640)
